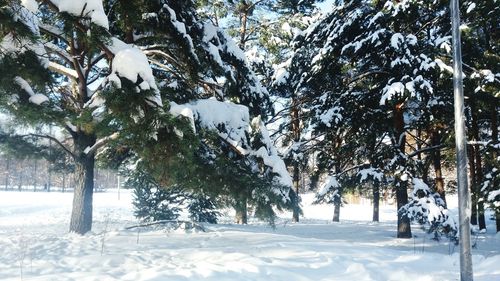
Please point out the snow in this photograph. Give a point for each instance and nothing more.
(131, 63)
(331, 116)
(24, 85)
(31, 5)
(396, 40)
(232, 123)
(471, 7)
(33, 236)
(38, 99)
(443, 66)
(88, 8)
(493, 194)
(391, 90)
(370, 173)
(213, 114)
(331, 184)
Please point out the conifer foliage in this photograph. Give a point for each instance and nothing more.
(374, 78)
(109, 75)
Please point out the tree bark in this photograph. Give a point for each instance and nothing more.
(296, 171)
(35, 166)
(404, 226)
(81, 215)
(336, 209)
(241, 216)
(337, 201)
(479, 179)
(479, 169)
(295, 216)
(436, 162)
(472, 173)
(494, 139)
(7, 173)
(63, 182)
(20, 177)
(497, 217)
(376, 201)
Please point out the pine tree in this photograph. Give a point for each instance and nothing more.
(481, 44)
(201, 70)
(367, 61)
(54, 54)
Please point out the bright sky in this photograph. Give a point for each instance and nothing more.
(326, 6)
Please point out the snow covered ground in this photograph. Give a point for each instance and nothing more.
(35, 245)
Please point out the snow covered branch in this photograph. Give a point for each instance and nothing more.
(100, 143)
(68, 72)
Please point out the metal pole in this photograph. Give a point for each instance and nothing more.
(464, 202)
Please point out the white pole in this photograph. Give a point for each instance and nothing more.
(464, 202)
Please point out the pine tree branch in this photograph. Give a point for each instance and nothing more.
(368, 73)
(163, 54)
(53, 31)
(53, 48)
(67, 150)
(430, 148)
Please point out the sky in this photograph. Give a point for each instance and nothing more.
(326, 6)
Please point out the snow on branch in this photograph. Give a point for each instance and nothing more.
(131, 63)
(37, 99)
(68, 72)
(100, 143)
(232, 124)
(92, 9)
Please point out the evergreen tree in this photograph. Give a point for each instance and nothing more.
(367, 61)
(481, 43)
(200, 61)
(58, 57)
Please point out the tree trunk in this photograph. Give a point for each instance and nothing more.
(49, 179)
(7, 173)
(336, 210)
(296, 170)
(494, 139)
(35, 166)
(376, 201)
(296, 212)
(479, 178)
(436, 162)
(337, 201)
(479, 169)
(243, 28)
(63, 182)
(20, 178)
(497, 217)
(241, 216)
(472, 172)
(81, 216)
(404, 226)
